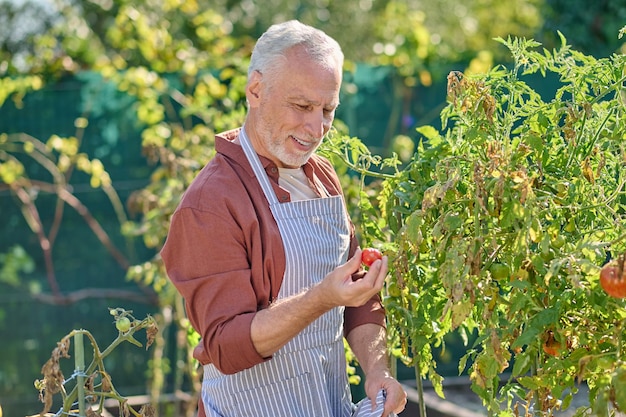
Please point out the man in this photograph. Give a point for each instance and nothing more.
(262, 250)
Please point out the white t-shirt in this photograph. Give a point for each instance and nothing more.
(296, 182)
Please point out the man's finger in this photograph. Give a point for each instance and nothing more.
(377, 273)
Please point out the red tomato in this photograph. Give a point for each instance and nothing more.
(369, 255)
(550, 345)
(613, 280)
(552, 349)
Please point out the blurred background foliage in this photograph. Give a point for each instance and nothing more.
(135, 91)
(47, 35)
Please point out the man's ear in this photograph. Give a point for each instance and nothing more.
(253, 88)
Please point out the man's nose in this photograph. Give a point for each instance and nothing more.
(317, 124)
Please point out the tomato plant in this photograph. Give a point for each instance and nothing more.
(498, 228)
(369, 255)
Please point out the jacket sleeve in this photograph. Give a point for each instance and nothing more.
(206, 260)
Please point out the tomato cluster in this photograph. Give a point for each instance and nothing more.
(123, 321)
(613, 278)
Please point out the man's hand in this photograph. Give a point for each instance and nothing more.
(369, 344)
(339, 289)
(395, 400)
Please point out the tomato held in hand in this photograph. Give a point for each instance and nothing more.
(613, 280)
(369, 255)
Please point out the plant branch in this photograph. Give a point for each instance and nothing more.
(93, 224)
(31, 214)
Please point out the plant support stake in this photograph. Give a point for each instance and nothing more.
(79, 361)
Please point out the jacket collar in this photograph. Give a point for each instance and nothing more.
(224, 145)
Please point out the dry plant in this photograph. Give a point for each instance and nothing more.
(92, 384)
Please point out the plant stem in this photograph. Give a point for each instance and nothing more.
(589, 147)
(420, 388)
(610, 88)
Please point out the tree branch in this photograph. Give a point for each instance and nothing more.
(81, 209)
(146, 297)
(31, 214)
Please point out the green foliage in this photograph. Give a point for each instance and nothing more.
(404, 43)
(79, 34)
(16, 88)
(180, 114)
(13, 264)
(498, 228)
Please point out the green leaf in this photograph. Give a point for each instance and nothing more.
(463, 362)
(522, 363)
(545, 317)
(452, 222)
(437, 381)
(431, 134)
(528, 382)
(536, 327)
(535, 142)
(413, 228)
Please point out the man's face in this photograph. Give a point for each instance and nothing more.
(293, 110)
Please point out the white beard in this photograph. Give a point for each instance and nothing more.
(291, 159)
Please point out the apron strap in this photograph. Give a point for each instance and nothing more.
(257, 167)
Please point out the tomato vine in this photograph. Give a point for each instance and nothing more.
(498, 228)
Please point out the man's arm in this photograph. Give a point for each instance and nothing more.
(369, 344)
(276, 325)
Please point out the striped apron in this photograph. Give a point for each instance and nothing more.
(306, 377)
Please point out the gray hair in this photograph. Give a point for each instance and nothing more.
(269, 51)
